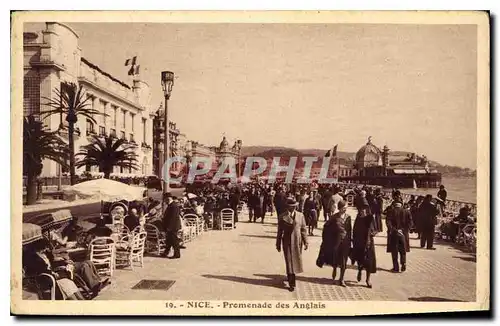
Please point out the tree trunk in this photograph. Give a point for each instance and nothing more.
(71, 141)
(31, 189)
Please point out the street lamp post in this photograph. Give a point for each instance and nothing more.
(167, 82)
(239, 143)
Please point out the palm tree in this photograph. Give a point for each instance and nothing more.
(39, 144)
(106, 153)
(71, 101)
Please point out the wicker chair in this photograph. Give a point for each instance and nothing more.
(102, 255)
(155, 240)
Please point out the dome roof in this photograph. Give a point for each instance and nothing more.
(368, 152)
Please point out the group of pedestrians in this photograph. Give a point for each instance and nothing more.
(344, 239)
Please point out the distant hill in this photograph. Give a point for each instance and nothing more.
(345, 158)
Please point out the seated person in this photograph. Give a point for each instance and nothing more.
(100, 230)
(453, 228)
(85, 269)
(72, 231)
(132, 219)
(38, 259)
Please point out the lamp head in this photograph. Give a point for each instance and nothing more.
(167, 82)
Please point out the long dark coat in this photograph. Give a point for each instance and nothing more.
(171, 217)
(280, 202)
(292, 237)
(311, 212)
(428, 216)
(363, 249)
(398, 218)
(336, 241)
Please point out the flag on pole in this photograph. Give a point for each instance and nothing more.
(131, 61)
(134, 69)
(334, 152)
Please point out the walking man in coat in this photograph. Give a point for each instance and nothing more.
(377, 206)
(172, 225)
(326, 199)
(280, 201)
(428, 213)
(398, 223)
(291, 237)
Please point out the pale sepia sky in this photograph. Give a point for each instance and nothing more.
(412, 87)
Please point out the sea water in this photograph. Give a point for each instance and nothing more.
(458, 188)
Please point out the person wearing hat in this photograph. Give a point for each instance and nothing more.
(311, 213)
(363, 248)
(442, 194)
(399, 222)
(172, 225)
(428, 213)
(292, 237)
(336, 242)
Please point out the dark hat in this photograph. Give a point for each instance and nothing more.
(341, 204)
(291, 202)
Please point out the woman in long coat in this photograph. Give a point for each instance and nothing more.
(291, 237)
(363, 251)
(336, 243)
(311, 213)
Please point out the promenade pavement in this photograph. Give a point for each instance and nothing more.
(243, 264)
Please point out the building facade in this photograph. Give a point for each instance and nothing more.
(53, 56)
(178, 144)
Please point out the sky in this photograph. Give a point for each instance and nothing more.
(410, 87)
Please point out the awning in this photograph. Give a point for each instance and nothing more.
(410, 171)
(50, 221)
(31, 233)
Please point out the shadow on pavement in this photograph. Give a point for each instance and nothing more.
(434, 299)
(385, 270)
(258, 236)
(385, 245)
(274, 281)
(453, 245)
(467, 258)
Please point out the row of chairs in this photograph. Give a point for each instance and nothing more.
(108, 253)
(193, 226)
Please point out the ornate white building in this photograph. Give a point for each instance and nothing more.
(52, 56)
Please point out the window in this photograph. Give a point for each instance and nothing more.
(90, 127)
(122, 135)
(114, 116)
(124, 117)
(132, 117)
(102, 131)
(102, 109)
(31, 95)
(112, 132)
(91, 102)
(144, 130)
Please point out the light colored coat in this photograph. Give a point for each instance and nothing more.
(291, 238)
